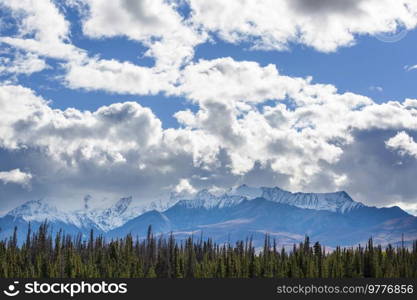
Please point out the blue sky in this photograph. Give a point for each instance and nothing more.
(221, 98)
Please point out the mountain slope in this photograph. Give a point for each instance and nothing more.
(8, 223)
(335, 202)
(286, 223)
(139, 225)
(331, 218)
(114, 216)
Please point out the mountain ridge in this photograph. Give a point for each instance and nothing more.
(237, 213)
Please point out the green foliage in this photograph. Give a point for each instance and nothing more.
(63, 256)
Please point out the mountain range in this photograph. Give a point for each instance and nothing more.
(240, 213)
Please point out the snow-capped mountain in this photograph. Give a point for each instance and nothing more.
(35, 210)
(114, 216)
(39, 211)
(159, 205)
(207, 200)
(246, 191)
(332, 218)
(335, 202)
(123, 211)
(339, 202)
(103, 219)
(231, 217)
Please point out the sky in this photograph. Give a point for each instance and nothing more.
(145, 98)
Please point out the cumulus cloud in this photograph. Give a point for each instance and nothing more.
(116, 77)
(306, 137)
(229, 80)
(403, 143)
(15, 176)
(156, 23)
(22, 64)
(327, 6)
(42, 29)
(316, 126)
(184, 187)
(324, 25)
(171, 38)
(72, 134)
(252, 124)
(115, 149)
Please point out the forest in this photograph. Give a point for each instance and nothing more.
(47, 255)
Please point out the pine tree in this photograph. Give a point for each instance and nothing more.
(63, 256)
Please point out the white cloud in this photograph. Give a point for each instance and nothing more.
(324, 25)
(184, 187)
(42, 30)
(22, 64)
(314, 126)
(156, 23)
(410, 103)
(252, 123)
(403, 143)
(116, 77)
(15, 176)
(227, 80)
(171, 39)
(103, 136)
(232, 136)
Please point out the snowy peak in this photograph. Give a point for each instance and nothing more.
(207, 200)
(159, 205)
(112, 217)
(122, 211)
(121, 206)
(103, 219)
(39, 211)
(339, 202)
(35, 210)
(117, 209)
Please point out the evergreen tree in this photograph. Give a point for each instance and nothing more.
(64, 256)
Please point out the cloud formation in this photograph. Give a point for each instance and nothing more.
(156, 23)
(36, 33)
(19, 63)
(403, 143)
(15, 176)
(252, 124)
(306, 143)
(325, 25)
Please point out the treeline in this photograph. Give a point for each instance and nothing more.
(43, 255)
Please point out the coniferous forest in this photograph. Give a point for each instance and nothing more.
(44, 255)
